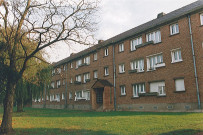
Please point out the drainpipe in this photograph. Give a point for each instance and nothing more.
(66, 90)
(114, 77)
(194, 62)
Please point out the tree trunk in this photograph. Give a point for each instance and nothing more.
(20, 104)
(6, 125)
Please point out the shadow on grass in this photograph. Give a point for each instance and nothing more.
(33, 112)
(57, 131)
(183, 132)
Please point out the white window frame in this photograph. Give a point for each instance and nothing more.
(176, 55)
(158, 87)
(64, 67)
(58, 70)
(135, 42)
(62, 96)
(58, 83)
(71, 65)
(174, 29)
(71, 80)
(53, 72)
(70, 95)
(95, 56)
(78, 63)
(137, 65)
(78, 78)
(57, 98)
(121, 47)
(155, 61)
(52, 85)
(95, 74)
(123, 91)
(86, 76)
(182, 87)
(87, 60)
(121, 68)
(201, 18)
(86, 95)
(154, 36)
(106, 71)
(138, 88)
(106, 52)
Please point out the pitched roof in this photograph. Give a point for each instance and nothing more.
(101, 83)
(167, 18)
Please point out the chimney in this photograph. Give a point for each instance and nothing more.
(160, 15)
(100, 41)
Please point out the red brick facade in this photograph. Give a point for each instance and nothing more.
(168, 73)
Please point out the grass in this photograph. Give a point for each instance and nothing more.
(65, 122)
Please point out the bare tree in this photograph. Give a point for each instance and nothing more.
(39, 23)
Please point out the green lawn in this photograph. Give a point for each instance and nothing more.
(64, 122)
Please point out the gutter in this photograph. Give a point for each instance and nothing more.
(114, 77)
(194, 63)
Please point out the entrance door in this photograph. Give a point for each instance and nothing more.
(99, 96)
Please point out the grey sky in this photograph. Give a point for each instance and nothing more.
(117, 16)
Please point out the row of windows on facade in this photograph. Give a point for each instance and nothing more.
(154, 36)
(153, 62)
(79, 95)
(155, 87)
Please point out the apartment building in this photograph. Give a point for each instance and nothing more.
(157, 66)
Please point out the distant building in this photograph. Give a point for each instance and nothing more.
(157, 66)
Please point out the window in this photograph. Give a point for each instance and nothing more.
(95, 56)
(137, 65)
(78, 63)
(86, 95)
(82, 95)
(78, 78)
(106, 52)
(135, 42)
(95, 74)
(155, 61)
(123, 92)
(86, 77)
(158, 87)
(71, 65)
(138, 88)
(78, 95)
(64, 81)
(58, 83)
(53, 72)
(106, 71)
(121, 68)
(201, 18)
(47, 98)
(87, 60)
(64, 67)
(154, 36)
(52, 85)
(70, 95)
(52, 98)
(121, 47)
(180, 85)
(174, 29)
(57, 98)
(63, 96)
(176, 55)
(58, 70)
(71, 80)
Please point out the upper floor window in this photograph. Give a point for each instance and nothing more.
(154, 36)
(106, 71)
(121, 68)
(138, 88)
(78, 78)
(71, 80)
(64, 67)
(158, 87)
(71, 65)
(137, 65)
(123, 91)
(176, 55)
(95, 74)
(87, 60)
(53, 72)
(95, 56)
(58, 83)
(180, 85)
(201, 18)
(58, 70)
(135, 42)
(106, 52)
(155, 61)
(121, 47)
(174, 29)
(86, 77)
(52, 85)
(78, 63)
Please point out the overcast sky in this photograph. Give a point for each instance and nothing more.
(117, 16)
